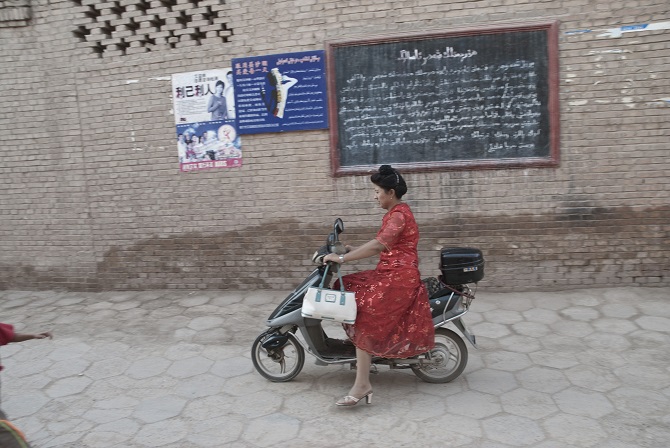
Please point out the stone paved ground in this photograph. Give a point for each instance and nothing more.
(582, 368)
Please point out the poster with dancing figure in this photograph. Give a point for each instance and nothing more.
(205, 120)
(281, 92)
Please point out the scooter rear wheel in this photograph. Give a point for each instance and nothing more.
(447, 360)
(278, 364)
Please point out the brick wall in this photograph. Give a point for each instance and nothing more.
(92, 197)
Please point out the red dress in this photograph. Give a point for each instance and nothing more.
(394, 319)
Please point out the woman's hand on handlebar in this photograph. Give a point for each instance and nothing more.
(333, 258)
(336, 258)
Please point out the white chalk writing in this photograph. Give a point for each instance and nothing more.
(463, 110)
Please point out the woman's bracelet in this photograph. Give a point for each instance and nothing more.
(341, 259)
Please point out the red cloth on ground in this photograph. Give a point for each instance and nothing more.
(6, 335)
(394, 318)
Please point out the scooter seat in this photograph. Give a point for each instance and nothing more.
(437, 289)
(432, 285)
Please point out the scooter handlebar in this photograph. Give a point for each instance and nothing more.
(333, 244)
(317, 258)
(319, 255)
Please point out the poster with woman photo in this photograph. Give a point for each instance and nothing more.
(205, 119)
(281, 92)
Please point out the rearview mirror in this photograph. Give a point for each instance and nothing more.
(339, 226)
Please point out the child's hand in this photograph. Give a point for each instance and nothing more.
(45, 335)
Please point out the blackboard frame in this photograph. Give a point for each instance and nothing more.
(553, 118)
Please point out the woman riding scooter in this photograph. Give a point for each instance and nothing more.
(393, 314)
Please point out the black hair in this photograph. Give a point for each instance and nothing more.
(389, 178)
(223, 84)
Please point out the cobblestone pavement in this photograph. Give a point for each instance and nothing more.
(581, 368)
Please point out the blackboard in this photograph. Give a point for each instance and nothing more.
(483, 98)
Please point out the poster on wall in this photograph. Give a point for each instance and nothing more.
(281, 92)
(205, 118)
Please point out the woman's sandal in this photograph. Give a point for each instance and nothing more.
(350, 400)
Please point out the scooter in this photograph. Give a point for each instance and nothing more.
(278, 353)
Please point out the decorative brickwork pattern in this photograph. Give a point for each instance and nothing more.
(141, 26)
(14, 13)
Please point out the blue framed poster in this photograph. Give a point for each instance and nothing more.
(281, 92)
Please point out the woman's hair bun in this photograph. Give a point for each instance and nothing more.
(386, 170)
(388, 178)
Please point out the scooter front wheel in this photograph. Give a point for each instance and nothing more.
(447, 359)
(278, 364)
